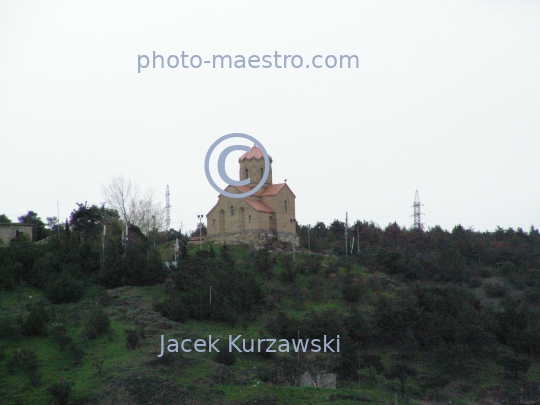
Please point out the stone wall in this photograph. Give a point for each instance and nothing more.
(254, 237)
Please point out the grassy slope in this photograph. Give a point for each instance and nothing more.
(138, 376)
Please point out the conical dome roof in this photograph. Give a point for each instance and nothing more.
(254, 153)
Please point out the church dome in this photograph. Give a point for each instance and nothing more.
(254, 153)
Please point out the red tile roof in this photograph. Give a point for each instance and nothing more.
(243, 189)
(254, 153)
(259, 206)
(273, 189)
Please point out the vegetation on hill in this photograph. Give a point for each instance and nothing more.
(430, 314)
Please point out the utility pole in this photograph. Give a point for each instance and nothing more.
(346, 226)
(417, 214)
(308, 239)
(293, 221)
(200, 230)
(154, 229)
(167, 211)
(176, 248)
(58, 220)
(358, 239)
(103, 242)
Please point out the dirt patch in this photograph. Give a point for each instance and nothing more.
(128, 304)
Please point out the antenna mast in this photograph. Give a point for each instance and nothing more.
(417, 214)
(167, 211)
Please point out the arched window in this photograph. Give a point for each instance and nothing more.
(249, 219)
(213, 223)
(246, 173)
(272, 223)
(232, 210)
(285, 206)
(241, 219)
(221, 221)
(262, 172)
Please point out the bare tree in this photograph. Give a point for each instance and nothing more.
(133, 208)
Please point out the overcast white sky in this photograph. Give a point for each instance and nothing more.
(446, 101)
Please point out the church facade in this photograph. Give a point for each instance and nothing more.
(260, 217)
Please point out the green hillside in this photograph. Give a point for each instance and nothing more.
(421, 316)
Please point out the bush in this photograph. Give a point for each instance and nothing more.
(268, 374)
(224, 356)
(60, 392)
(494, 289)
(97, 323)
(172, 308)
(10, 327)
(76, 354)
(7, 278)
(65, 289)
(58, 333)
(289, 269)
(514, 365)
(35, 322)
(27, 361)
(352, 292)
(314, 264)
(263, 262)
(132, 338)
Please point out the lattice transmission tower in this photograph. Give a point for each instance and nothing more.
(167, 210)
(417, 214)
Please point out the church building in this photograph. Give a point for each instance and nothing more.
(260, 217)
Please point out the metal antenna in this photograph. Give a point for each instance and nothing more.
(167, 211)
(417, 214)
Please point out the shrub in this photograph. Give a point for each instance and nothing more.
(268, 374)
(132, 338)
(514, 365)
(352, 292)
(97, 323)
(263, 262)
(10, 327)
(58, 333)
(224, 356)
(222, 374)
(7, 278)
(172, 308)
(65, 289)
(289, 269)
(35, 322)
(494, 289)
(27, 361)
(76, 354)
(314, 264)
(60, 392)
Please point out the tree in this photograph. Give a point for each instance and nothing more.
(201, 230)
(88, 220)
(514, 365)
(133, 208)
(4, 219)
(402, 372)
(32, 218)
(372, 363)
(60, 392)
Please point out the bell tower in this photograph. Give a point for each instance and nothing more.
(252, 166)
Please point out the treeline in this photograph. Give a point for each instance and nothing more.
(90, 247)
(461, 255)
(414, 308)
